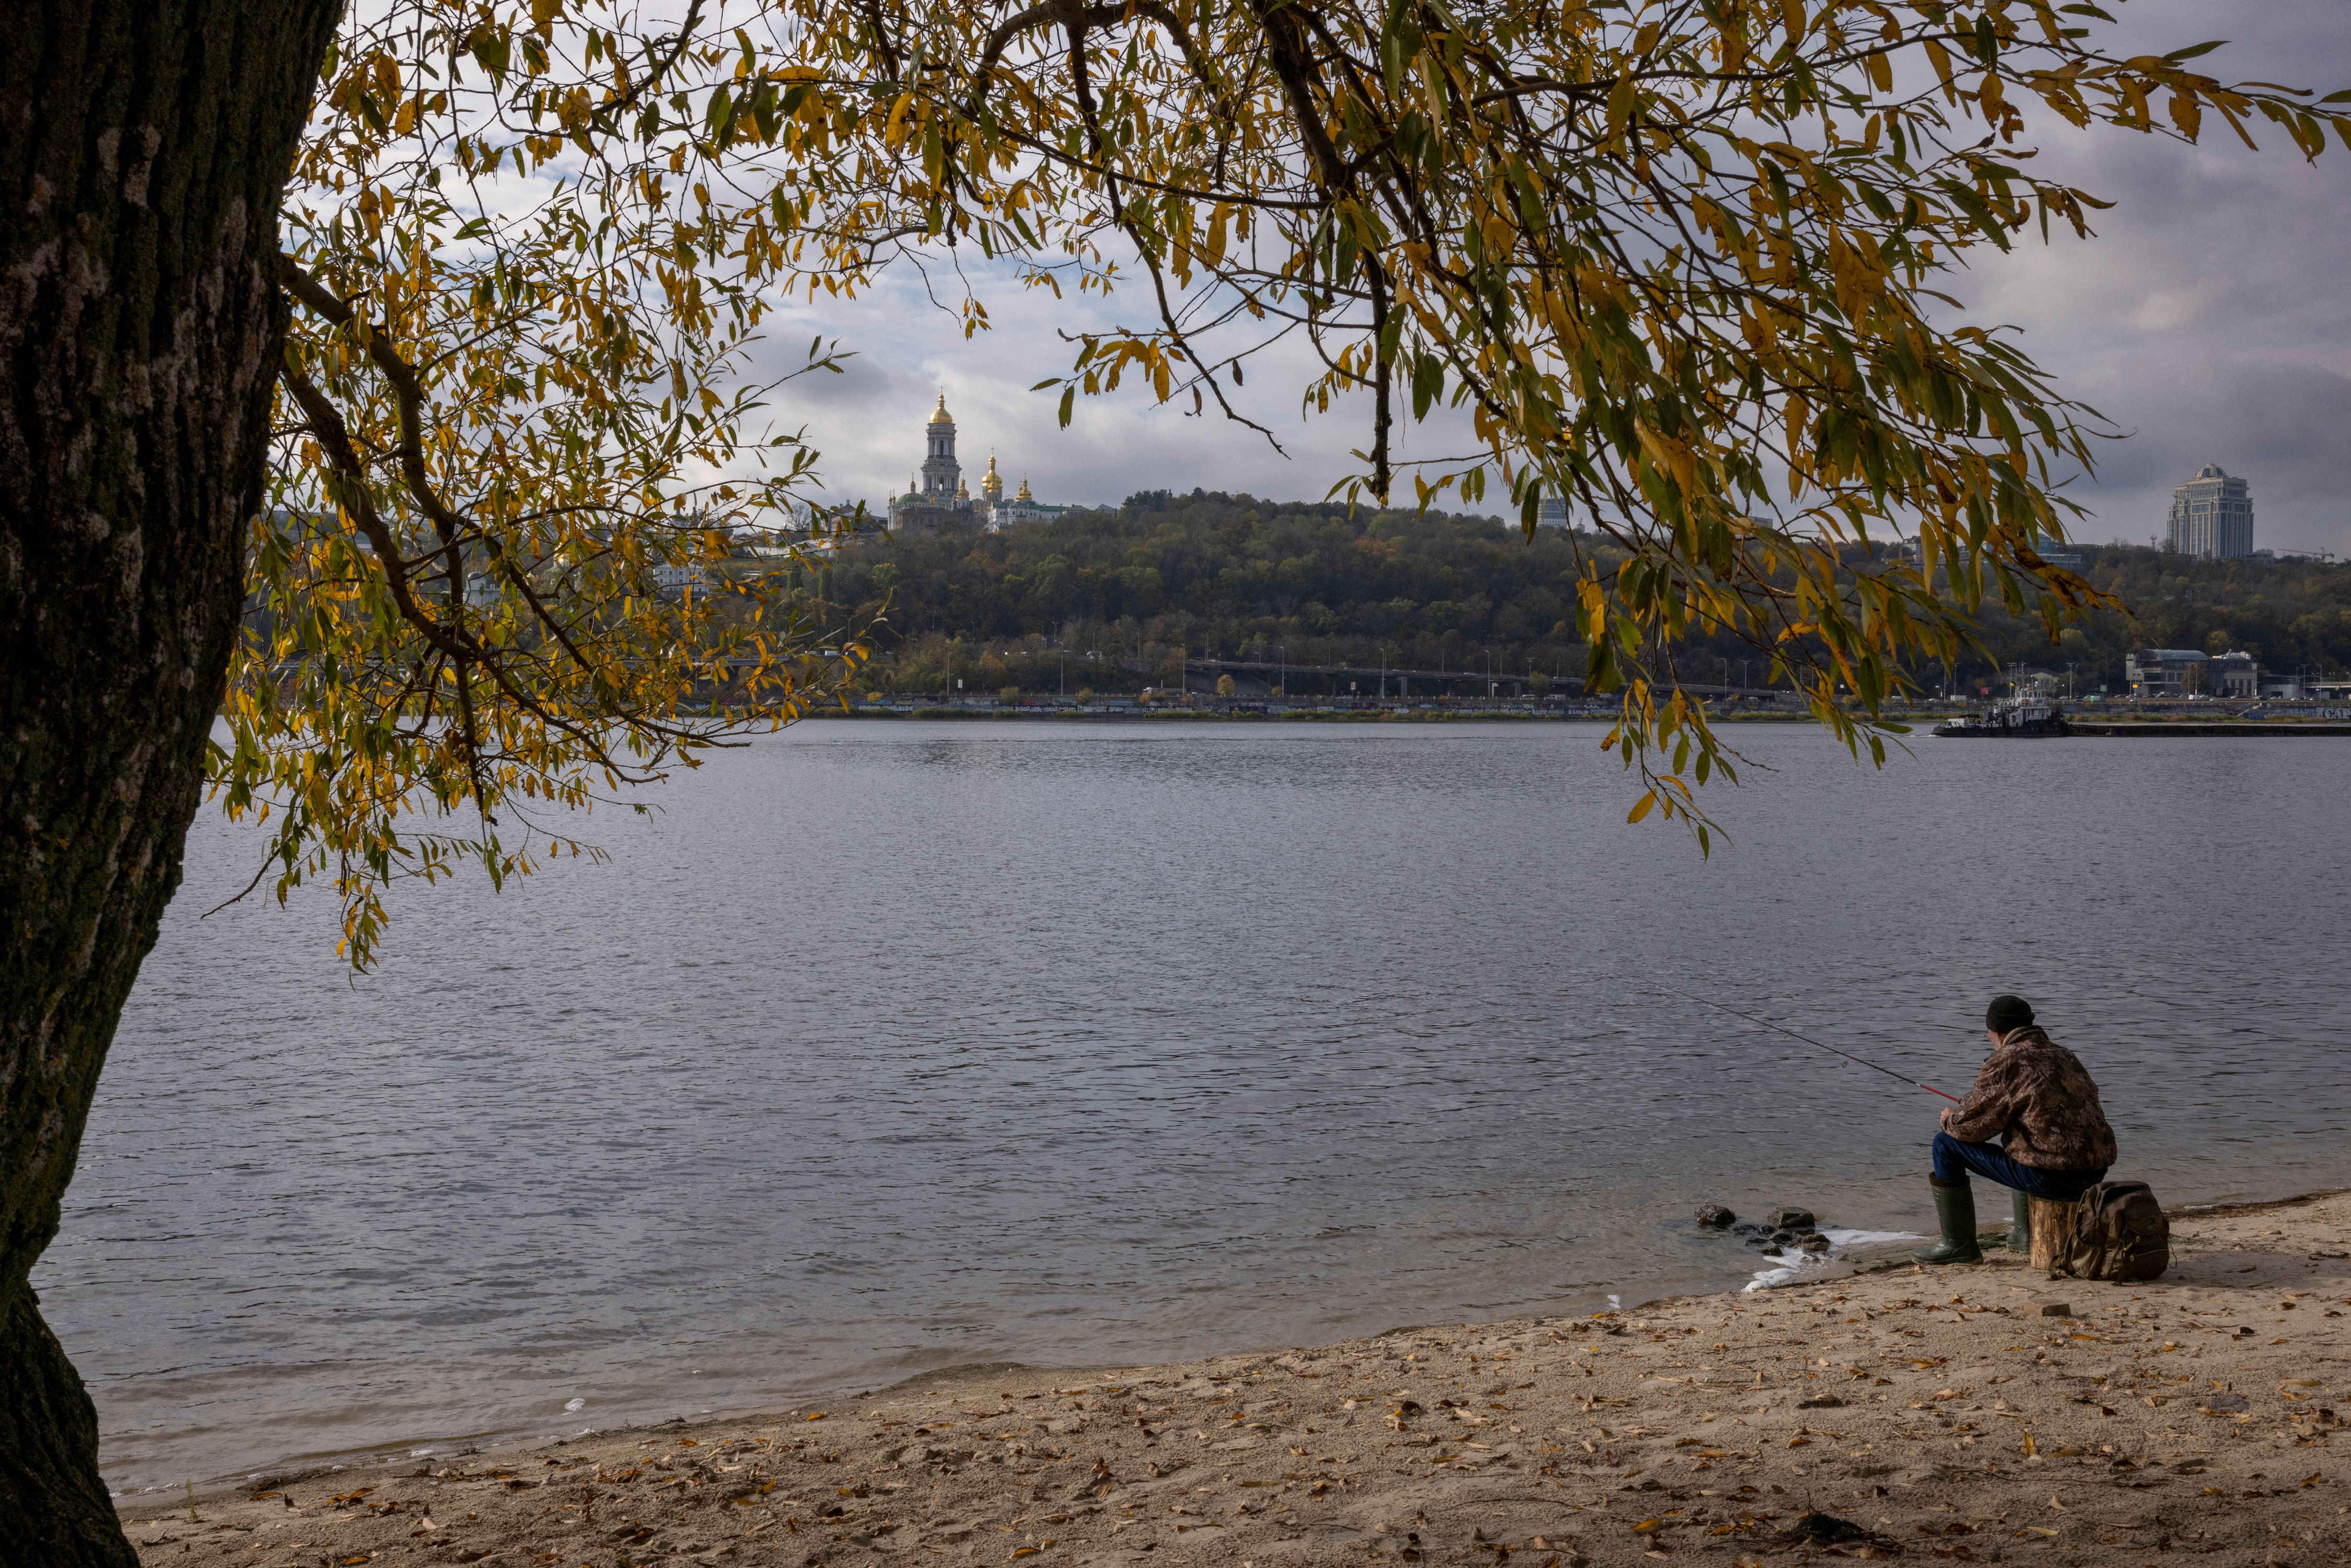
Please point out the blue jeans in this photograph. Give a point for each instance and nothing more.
(1954, 1160)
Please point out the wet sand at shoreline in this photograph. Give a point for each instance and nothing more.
(1981, 1413)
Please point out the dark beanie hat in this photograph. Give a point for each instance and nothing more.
(2007, 1013)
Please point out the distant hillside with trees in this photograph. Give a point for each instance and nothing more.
(1126, 591)
(2289, 614)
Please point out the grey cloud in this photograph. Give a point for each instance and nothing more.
(869, 423)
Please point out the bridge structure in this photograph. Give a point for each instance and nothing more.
(1257, 678)
(1393, 681)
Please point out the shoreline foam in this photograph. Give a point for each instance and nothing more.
(1939, 1412)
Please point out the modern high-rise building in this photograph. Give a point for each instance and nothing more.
(2212, 515)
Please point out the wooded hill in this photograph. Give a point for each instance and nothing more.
(1321, 584)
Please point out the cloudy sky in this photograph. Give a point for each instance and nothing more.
(2209, 319)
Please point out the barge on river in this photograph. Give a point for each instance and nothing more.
(2022, 718)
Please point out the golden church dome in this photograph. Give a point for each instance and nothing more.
(992, 484)
(940, 415)
(1024, 494)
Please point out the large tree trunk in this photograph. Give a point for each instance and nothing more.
(144, 146)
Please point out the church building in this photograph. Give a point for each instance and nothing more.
(940, 496)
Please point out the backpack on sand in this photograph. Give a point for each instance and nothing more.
(2119, 1234)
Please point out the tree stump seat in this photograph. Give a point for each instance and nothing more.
(2053, 1229)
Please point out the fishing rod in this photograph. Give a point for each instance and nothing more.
(1808, 1039)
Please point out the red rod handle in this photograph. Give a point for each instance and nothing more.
(1952, 1098)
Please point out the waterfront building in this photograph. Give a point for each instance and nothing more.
(2233, 674)
(2184, 672)
(2213, 516)
(2164, 672)
(1551, 513)
(2287, 687)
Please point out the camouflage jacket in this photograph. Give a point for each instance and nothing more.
(2037, 1094)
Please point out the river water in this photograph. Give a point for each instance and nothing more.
(890, 1047)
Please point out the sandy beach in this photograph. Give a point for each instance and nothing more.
(1980, 1413)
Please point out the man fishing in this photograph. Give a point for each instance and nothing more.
(2035, 1095)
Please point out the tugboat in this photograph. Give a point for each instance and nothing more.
(2018, 719)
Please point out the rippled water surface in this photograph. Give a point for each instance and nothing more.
(887, 1047)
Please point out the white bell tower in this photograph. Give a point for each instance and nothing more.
(942, 475)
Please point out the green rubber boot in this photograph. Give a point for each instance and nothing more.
(1955, 1212)
(2020, 1229)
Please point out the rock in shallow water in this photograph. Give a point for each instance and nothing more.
(1816, 1242)
(1792, 1220)
(1714, 1217)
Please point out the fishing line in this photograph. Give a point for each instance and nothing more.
(1808, 1039)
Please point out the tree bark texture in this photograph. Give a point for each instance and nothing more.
(144, 146)
(2053, 1231)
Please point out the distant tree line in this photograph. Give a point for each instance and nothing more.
(1111, 600)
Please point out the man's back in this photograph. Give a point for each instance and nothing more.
(2040, 1096)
